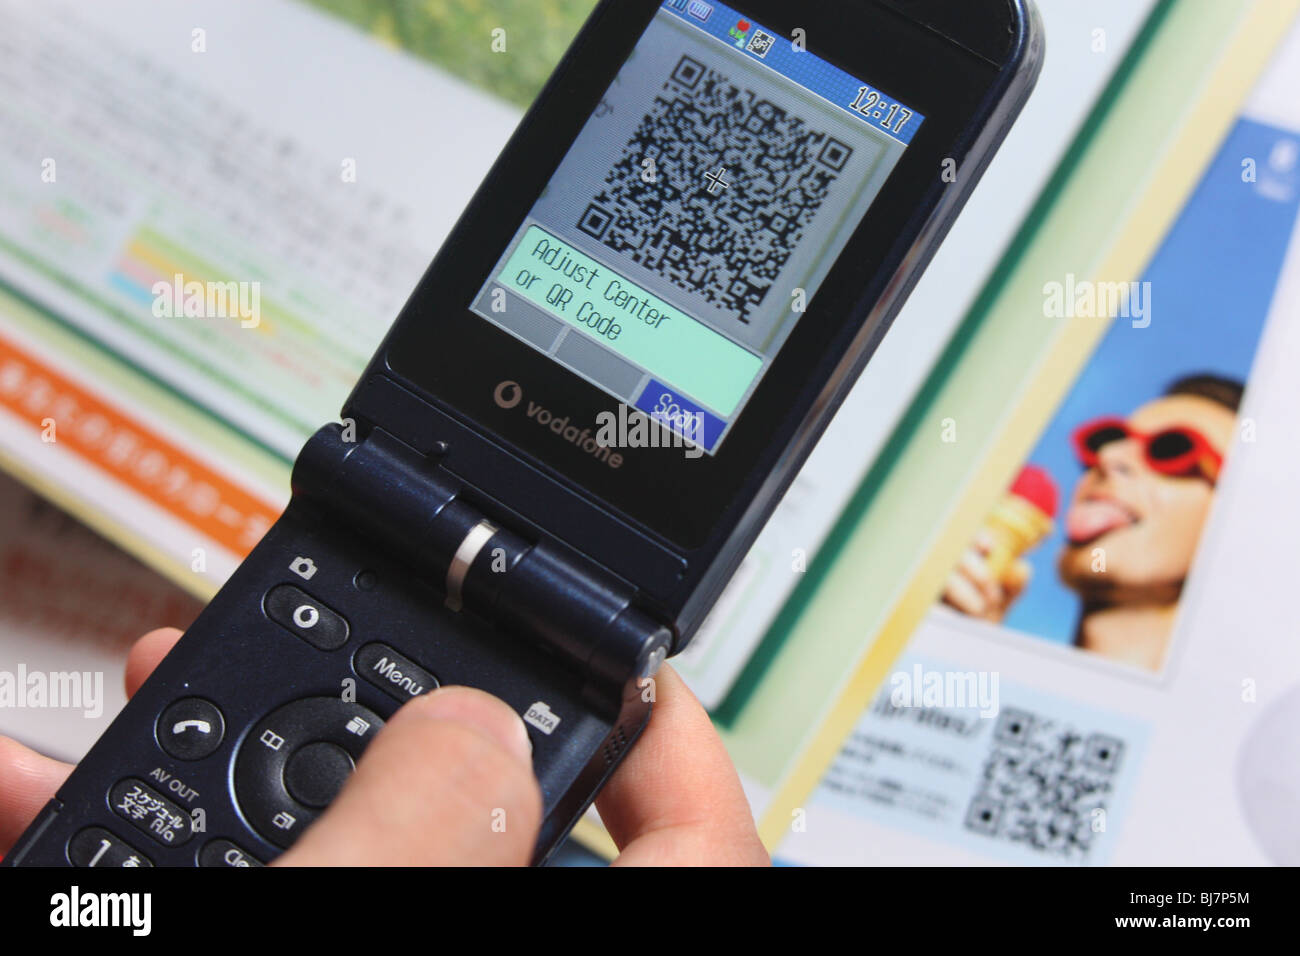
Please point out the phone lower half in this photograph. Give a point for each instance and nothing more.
(242, 735)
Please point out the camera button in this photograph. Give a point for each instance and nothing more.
(299, 612)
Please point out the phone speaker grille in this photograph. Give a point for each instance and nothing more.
(615, 744)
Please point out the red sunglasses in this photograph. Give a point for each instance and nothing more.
(1180, 450)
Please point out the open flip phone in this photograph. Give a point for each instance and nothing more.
(579, 422)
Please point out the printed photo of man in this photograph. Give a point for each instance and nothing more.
(1132, 524)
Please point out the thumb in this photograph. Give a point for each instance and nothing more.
(447, 782)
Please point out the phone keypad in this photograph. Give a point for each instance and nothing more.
(286, 770)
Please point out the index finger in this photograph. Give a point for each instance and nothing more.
(676, 798)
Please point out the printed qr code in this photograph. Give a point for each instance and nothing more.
(734, 183)
(1044, 785)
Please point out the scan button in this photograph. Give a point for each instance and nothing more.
(678, 413)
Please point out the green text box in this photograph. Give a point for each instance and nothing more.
(683, 353)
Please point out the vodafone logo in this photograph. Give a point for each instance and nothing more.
(508, 394)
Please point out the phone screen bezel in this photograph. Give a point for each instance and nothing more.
(456, 359)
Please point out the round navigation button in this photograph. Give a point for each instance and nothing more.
(191, 728)
(293, 761)
(316, 773)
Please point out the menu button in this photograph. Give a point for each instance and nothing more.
(392, 672)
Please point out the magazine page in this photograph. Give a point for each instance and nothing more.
(1105, 679)
(184, 146)
(178, 430)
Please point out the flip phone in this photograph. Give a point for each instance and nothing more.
(580, 420)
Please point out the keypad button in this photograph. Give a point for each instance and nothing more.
(226, 853)
(95, 846)
(299, 612)
(316, 773)
(191, 728)
(392, 672)
(150, 812)
(263, 764)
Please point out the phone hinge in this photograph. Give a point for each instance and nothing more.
(391, 494)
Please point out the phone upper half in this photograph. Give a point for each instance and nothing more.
(689, 248)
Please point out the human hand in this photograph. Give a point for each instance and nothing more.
(430, 786)
(973, 591)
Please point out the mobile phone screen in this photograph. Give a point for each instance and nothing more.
(696, 215)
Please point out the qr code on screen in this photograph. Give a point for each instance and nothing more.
(715, 189)
(1045, 786)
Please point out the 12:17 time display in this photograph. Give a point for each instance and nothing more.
(892, 116)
